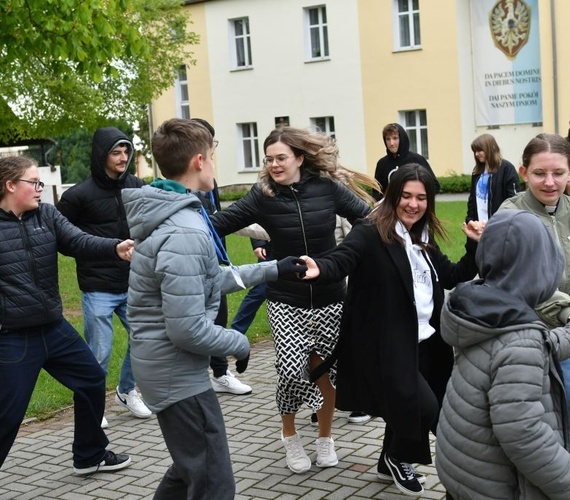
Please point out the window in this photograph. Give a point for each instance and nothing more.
(415, 123)
(181, 90)
(247, 134)
(324, 124)
(408, 24)
(239, 33)
(317, 33)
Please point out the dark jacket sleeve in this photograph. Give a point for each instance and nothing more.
(450, 274)
(512, 184)
(348, 205)
(73, 242)
(472, 200)
(238, 215)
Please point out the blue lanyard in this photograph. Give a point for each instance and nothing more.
(223, 256)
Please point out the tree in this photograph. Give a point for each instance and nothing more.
(71, 64)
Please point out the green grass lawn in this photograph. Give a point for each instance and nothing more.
(49, 395)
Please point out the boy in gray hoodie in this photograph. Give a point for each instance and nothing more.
(175, 286)
(503, 429)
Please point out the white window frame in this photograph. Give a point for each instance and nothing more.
(248, 146)
(322, 52)
(242, 41)
(415, 124)
(407, 15)
(182, 93)
(324, 124)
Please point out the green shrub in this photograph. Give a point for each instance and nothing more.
(455, 183)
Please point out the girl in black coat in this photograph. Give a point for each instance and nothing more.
(392, 362)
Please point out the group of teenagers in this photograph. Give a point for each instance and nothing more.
(480, 369)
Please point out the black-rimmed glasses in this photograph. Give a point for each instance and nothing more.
(216, 142)
(37, 184)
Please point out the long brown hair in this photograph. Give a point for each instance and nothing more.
(320, 155)
(489, 146)
(384, 215)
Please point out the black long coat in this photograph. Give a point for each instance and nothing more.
(378, 346)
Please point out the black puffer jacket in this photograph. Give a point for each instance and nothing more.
(95, 206)
(300, 220)
(29, 292)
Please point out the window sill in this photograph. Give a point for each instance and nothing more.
(317, 60)
(244, 68)
(407, 49)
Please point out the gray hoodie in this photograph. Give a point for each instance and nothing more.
(175, 286)
(503, 429)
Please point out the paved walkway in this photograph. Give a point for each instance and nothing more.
(39, 465)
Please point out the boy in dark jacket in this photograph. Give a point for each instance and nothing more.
(95, 206)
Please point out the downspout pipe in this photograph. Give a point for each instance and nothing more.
(554, 65)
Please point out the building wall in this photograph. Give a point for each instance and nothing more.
(281, 83)
(364, 84)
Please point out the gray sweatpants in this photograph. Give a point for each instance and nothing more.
(195, 435)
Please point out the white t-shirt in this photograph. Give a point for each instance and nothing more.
(481, 195)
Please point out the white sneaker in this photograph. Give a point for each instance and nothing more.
(326, 456)
(132, 402)
(297, 460)
(104, 423)
(229, 383)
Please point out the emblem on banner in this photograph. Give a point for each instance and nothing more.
(509, 21)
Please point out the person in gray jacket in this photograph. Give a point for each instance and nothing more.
(503, 428)
(175, 285)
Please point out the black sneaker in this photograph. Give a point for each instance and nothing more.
(314, 420)
(404, 477)
(109, 463)
(384, 476)
(358, 417)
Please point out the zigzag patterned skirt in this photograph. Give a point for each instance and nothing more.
(297, 332)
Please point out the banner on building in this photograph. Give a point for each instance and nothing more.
(506, 61)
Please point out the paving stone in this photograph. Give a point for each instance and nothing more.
(39, 466)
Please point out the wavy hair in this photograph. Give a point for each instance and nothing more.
(320, 155)
(384, 215)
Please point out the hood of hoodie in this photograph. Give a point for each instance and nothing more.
(148, 207)
(403, 147)
(520, 265)
(104, 140)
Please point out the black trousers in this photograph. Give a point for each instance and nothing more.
(435, 362)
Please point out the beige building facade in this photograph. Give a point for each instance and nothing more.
(446, 70)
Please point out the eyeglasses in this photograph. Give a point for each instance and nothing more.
(37, 184)
(541, 176)
(216, 143)
(280, 160)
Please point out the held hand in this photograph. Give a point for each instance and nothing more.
(291, 265)
(125, 249)
(260, 253)
(241, 364)
(473, 229)
(313, 270)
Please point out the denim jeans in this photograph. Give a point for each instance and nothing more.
(565, 365)
(98, 309)
(248, 308)
(61, 352)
